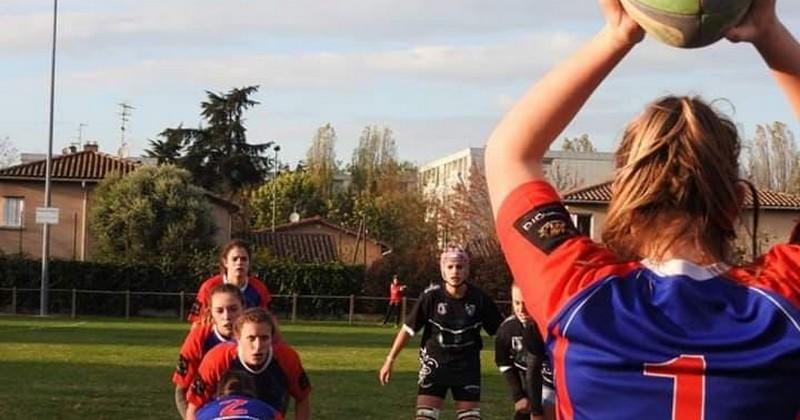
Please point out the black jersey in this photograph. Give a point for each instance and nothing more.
(452, 327)
(514, 340)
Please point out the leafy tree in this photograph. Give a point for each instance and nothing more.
(376, 153)
(153, 215)
(773, 161)
(218, 155)
(580, 144)
(467, 218)
(8, 153)
(294, 191)
(321, 159)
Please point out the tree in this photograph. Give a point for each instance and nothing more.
(218, 155)
(468, 218)
(321, 159)
(773, 161)
(376, 153)
(294, 192)
(8, 153)
(153, 215)
(580, 144)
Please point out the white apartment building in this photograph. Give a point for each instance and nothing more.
(437, 178)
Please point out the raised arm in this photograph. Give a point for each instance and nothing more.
(777, 46)
(518, 143)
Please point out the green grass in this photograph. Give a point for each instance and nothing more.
(115, 369)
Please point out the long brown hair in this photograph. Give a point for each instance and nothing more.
(676, 179)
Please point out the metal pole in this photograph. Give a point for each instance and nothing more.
(14, 300)
(127, 304)
(294, 307)
(403, 312)
(352, 309)
(183, 300)
(274, 184)
(46, 227)
(74, 303)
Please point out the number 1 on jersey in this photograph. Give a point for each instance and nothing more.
(688, 387)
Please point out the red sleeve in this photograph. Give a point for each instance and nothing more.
(777, 271)
(263, 292)
(214, 365)
(289, 361)
(197, 312)
(549, 260)
(190, 357)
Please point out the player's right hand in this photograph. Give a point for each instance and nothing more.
(386, 372)
(757, 24)
(522, 404)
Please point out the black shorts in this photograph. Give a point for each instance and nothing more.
(460, 392)
(462, 375)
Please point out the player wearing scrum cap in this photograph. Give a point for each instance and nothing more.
(451, 317)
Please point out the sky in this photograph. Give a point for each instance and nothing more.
(439, 73)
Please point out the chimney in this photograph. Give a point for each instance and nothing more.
(90, 146)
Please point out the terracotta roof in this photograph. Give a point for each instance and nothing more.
(299, 247)
(86, 165)
(319, 220)
(601, 194)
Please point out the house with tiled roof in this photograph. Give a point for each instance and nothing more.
(315, 239)
(74, 176)
(778, 212)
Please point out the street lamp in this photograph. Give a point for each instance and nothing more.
(48, 163)
(276, 148)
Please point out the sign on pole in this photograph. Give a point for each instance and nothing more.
(47, 215)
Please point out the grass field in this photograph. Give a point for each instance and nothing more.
(114, 369)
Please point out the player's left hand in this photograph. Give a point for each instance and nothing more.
(522, 404)
(622, 28)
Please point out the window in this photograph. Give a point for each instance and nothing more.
(583, 222)
(12, 211)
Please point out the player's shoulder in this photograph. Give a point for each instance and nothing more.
(258, 284)
(221, 353)
(210, 283)
(509, 322)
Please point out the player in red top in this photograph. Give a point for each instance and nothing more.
(234, 264)
(395, 299)
(227, 303)
(274, 366)
(655, 323)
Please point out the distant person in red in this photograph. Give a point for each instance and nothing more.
(395, 299)
(234, 264)
(227, 304)
(236, 400)
(273, 365)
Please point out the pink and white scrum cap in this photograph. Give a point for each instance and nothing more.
(454, 253)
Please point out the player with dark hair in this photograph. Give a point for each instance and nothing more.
(274, 366)
(234, 265)
(451, 318)
(227, 303)
(656, 322)
(520, 355)
(236, 400)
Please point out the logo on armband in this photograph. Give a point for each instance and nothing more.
(546, 227)
(183, 366)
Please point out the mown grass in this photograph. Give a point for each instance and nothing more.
(114, 369)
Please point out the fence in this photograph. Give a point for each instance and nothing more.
(115, 303)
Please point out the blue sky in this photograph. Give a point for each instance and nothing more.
(440, 74)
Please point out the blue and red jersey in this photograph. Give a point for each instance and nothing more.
(256, 295)
(238, 408)
(639, 340)
(197, 344)
(281, 376)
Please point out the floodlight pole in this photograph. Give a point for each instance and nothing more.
(47, 166)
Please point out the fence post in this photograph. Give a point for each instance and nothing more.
(403, 311)
(14, 300)
(127, 304)
(352, 309)
(183, 300)
(294, 307)
(74, 302)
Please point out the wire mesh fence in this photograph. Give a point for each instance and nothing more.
(116, 303)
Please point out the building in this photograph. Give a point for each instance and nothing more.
(317, 240)
(74, 176)
(439, 177)
(778, 214)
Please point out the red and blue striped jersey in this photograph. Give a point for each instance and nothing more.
(638, 340)
(238, 408)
